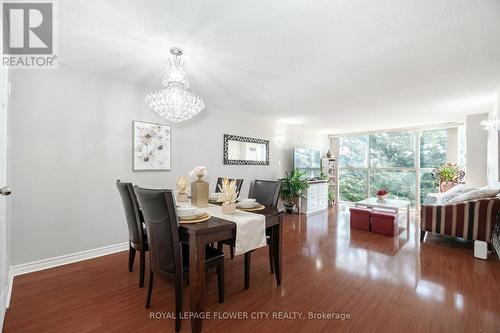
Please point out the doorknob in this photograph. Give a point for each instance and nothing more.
(5, 190)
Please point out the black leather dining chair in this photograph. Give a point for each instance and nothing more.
(136, 232)
(168, 257)
(267, 193)
(239, 183)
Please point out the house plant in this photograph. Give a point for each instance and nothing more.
(293, 185)
(448, 175)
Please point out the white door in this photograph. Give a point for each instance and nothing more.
(4, 191)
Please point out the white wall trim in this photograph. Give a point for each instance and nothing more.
(60, 261)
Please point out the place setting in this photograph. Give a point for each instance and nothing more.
(249, 205)
(192, 215)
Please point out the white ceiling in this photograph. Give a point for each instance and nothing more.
(338, 66)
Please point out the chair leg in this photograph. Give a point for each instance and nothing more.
(131, 257)
(422, 235)
(178, 302)
(220, 279)
(247, 269)
(271, 261)
(219, 246)
(142, 267)
(231, 251)
(150, 289)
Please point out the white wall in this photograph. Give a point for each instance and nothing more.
(71, 139)
(493, 158)
(477, 142)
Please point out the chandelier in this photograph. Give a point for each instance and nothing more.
(175, 103)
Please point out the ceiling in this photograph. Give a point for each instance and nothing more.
(337, 66)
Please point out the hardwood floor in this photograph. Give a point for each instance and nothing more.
(385, 284)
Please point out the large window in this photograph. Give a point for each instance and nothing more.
(400, 162)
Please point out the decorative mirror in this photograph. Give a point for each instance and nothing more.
(240, 150)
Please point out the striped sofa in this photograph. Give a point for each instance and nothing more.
(473, 220)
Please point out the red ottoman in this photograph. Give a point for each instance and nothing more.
(385, 223)
(360, 218)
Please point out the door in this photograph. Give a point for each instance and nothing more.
(4, 191)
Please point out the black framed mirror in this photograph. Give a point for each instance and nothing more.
(240, 150)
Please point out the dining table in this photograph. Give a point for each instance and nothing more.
(198, 235)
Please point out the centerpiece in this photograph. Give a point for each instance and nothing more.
(291, 189)
(199, 187)
(228, 195)
(181, 187)
(382, 195)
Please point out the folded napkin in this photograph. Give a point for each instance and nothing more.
(250, 228)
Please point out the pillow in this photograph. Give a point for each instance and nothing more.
(432, 198)
(474, 195)
(455, 191)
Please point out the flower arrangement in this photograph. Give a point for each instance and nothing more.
(228, 196)
(199, 171)
(182, 186)
(382, 194)
(448, 175)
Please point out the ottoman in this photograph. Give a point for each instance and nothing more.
(360, 218)
(385, 223)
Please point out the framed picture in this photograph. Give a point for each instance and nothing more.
(152, 146)
(240, 150)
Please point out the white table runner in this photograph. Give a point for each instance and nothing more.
(250, 228)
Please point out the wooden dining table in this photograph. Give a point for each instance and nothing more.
(216, 229)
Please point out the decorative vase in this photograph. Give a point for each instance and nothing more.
(381, 198)
(328, 154)
(445, 186)
(229, 208)
(199, 192)
(182, 197)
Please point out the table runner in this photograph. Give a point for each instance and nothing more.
(250, 228)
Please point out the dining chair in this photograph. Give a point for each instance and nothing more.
(239, 183)
(168, 257)
(267, 193)
(136, 232)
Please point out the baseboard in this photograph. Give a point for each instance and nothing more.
(59, 261)
(3, 306)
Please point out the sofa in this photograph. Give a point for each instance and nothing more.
(472, 220)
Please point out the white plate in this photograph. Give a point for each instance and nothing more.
(248, 204)
(190, 215)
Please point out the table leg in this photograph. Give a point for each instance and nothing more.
(408, 214)
(277, 243)
(196, 280)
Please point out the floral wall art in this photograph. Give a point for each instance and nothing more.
(152, 146)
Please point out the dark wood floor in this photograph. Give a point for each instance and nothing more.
(385, 284)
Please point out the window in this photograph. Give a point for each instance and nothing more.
(353, 151)
(392, 150)
(353, 185)
(394, 161)
(400, 184)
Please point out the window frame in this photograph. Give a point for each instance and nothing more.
(417, 169)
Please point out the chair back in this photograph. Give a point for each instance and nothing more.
(266, 192)
(132, 212)
(239, 183)
(160, 215)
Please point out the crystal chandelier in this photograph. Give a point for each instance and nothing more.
(175, 103)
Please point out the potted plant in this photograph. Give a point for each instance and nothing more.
(447, 175)
(291, 190)
(331, 197)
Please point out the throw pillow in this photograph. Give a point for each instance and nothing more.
(475, 195)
